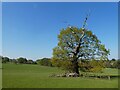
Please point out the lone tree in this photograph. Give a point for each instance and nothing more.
(75, 44)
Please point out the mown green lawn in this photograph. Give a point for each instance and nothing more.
(35, 76)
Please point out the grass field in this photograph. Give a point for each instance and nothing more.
(35, 76)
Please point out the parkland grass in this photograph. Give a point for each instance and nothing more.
(36, 76)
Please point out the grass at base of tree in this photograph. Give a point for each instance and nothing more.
(35, 76)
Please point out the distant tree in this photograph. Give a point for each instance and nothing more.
(5, 59)
(115, 63)
(113, 59)
(30, 62)
(22, 60)
(45, 62)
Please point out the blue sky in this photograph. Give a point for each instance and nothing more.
(30, 29)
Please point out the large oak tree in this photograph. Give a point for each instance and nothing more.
(75, 44)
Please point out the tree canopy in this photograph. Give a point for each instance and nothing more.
(78, 43)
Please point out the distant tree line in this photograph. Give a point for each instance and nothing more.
(84, 65)
(19, 60)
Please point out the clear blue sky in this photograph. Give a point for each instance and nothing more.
(30, 29)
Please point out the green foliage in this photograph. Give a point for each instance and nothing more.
(5, 59)
(87, 65)
(77, 43)
(56, 62)
(107, 64)
(96, 66)
(22, 60)
(91, 66)
(44, 62)
(84, 65)
(112, 63)
(30, 62)
(19, 60)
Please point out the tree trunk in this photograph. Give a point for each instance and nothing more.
(75, 67)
